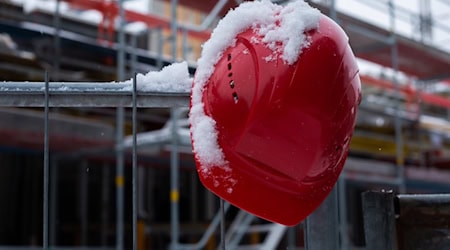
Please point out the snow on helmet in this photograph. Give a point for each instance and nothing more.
(271, 134)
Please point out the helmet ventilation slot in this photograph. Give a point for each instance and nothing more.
(230, 75)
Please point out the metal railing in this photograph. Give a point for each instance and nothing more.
(96, 94)
(410, 222)
(87, 94)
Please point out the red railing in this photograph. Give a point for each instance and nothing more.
(110, 10)
(409, 91)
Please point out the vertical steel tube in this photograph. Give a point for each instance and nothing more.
(134, 164)
(422, 160)
(161, 40)
(56, 41)
(174, 164)
(121, 43)
(84, 168)
(120, 180)
(291, 237)
(53, 201)
(323, 223)
(120, 116)
(184, 42)
(174, 190)
(379, 220)
(133, 55)
(222, 224)
(210, 205)
(333, 14)
(397, 119)
(174, 29)
(46, 166)
(213, 14)
(342, 200)
(104, 215)
(194, 197)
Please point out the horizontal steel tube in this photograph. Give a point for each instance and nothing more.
(431, 210)
(85, 94)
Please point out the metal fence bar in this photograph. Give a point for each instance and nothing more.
(86, 94)
(423, 221)
(406, 221)
(322, 226)
(120, 116)
(426, 209)
(46, 166)
(379, 220)
(53, 202)
(84, 201)
(134, 165)
(222, 224)
(54, 248)
(120, 179)
(174, 157)
(174, 182)
(342, 206)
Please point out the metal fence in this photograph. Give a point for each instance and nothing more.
(410, 222)
(97, 94)
(90, 94)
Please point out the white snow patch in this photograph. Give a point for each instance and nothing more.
(136, 28)
(289, 27)
(29, 6)
(93, 16)
(172, 78)
(204, 138)
(40, 5)
(280, 28)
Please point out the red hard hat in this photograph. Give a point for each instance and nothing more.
(284, 130)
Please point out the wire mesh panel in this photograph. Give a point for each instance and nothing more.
(85, 95)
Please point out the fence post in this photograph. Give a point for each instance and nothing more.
(322, 226)
(379, 220)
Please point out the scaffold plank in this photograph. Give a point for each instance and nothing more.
(86, 94)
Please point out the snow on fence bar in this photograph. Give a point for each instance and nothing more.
(168, 87)
(86, 94)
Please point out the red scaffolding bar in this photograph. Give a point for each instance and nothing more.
(110, 11)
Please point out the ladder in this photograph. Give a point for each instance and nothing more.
(246, 223)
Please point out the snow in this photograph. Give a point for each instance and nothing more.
(273, 25)
(172, 78)
(94, 16)
(204, 138)
(136, 28)
(36, 5)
